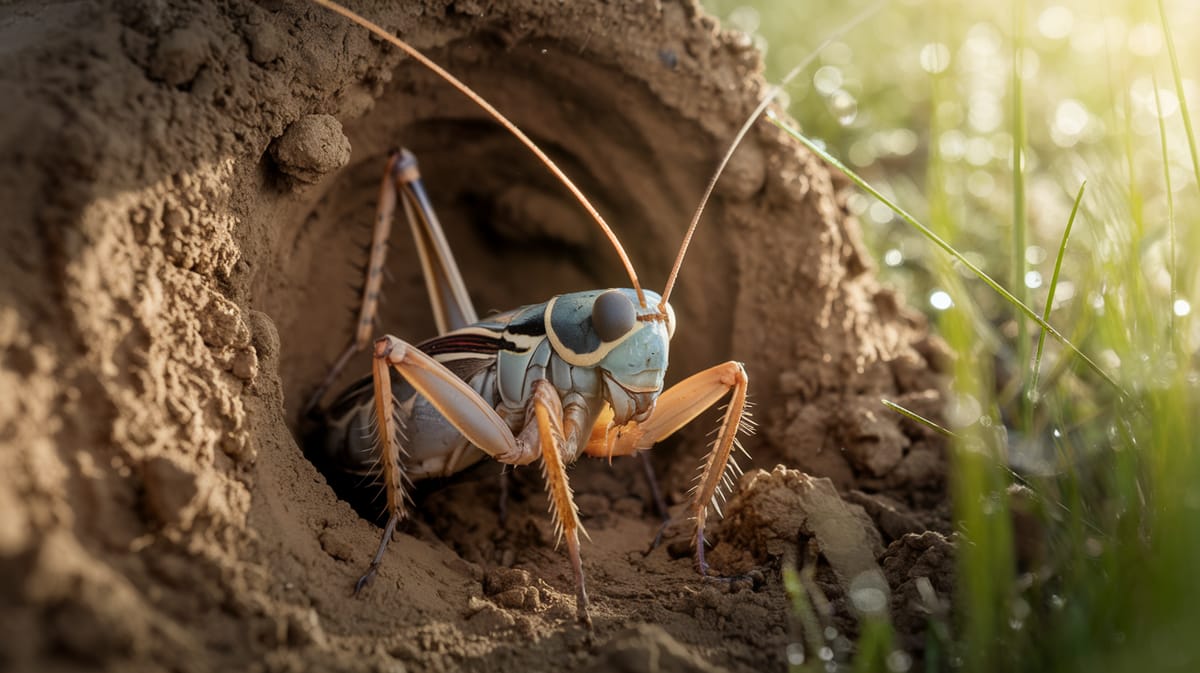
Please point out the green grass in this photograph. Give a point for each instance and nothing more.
(929, 107)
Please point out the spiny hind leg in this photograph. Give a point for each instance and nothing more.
(385, 211)
(542, 436)
(389, 435)
(452, 307)
(677, 407)
(458, 403)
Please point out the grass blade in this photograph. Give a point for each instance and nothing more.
(1062, 249)
(1179, 91)
(914, 416)
(1018, 205)
(1166, 160)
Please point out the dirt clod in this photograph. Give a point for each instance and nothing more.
(487, 618)
(514, 588)
(774, 513)
(304, 628)
(920, 570)
(500, 580)
(874, 443)
(311, 148)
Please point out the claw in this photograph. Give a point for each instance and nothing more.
(582, 615)
(388, 530)
(754, 578)
(365, 579)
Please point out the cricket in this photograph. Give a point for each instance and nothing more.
(307, 364)
(581, 374)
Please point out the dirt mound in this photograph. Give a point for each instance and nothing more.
(182, 219)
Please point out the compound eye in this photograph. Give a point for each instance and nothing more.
(613, 315)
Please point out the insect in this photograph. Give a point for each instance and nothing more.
(581, 374)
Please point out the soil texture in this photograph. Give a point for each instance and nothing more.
(187, 187)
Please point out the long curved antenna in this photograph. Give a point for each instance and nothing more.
(511, 127)
(737, 140)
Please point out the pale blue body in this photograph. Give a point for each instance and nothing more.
(500, 358)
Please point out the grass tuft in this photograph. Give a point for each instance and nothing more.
(1077, 503)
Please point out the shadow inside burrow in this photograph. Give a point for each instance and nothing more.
(518, 236)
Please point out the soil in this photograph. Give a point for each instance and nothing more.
(186, 187)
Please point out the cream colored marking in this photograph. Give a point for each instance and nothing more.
(586, 359)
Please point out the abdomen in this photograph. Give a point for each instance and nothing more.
(346, 438)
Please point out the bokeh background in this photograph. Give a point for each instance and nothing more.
(984, 120)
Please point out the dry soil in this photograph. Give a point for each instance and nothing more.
(185, 189)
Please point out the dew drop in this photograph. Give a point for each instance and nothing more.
(844, 106)
(935, 58)
(1055, 22)
(827, 79)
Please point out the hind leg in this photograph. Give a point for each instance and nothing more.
(452, 305)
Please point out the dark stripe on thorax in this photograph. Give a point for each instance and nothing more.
(530, 322)
(466, 343)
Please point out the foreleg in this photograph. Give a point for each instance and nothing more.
(677, 407)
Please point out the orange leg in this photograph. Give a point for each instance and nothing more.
(541, 437)
(562, 500)
(675, 408)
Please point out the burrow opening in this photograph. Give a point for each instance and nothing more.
(517, 234)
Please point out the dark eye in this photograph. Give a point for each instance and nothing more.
(613, 315)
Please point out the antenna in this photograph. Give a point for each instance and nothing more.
(737, 140)
(511, 127)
